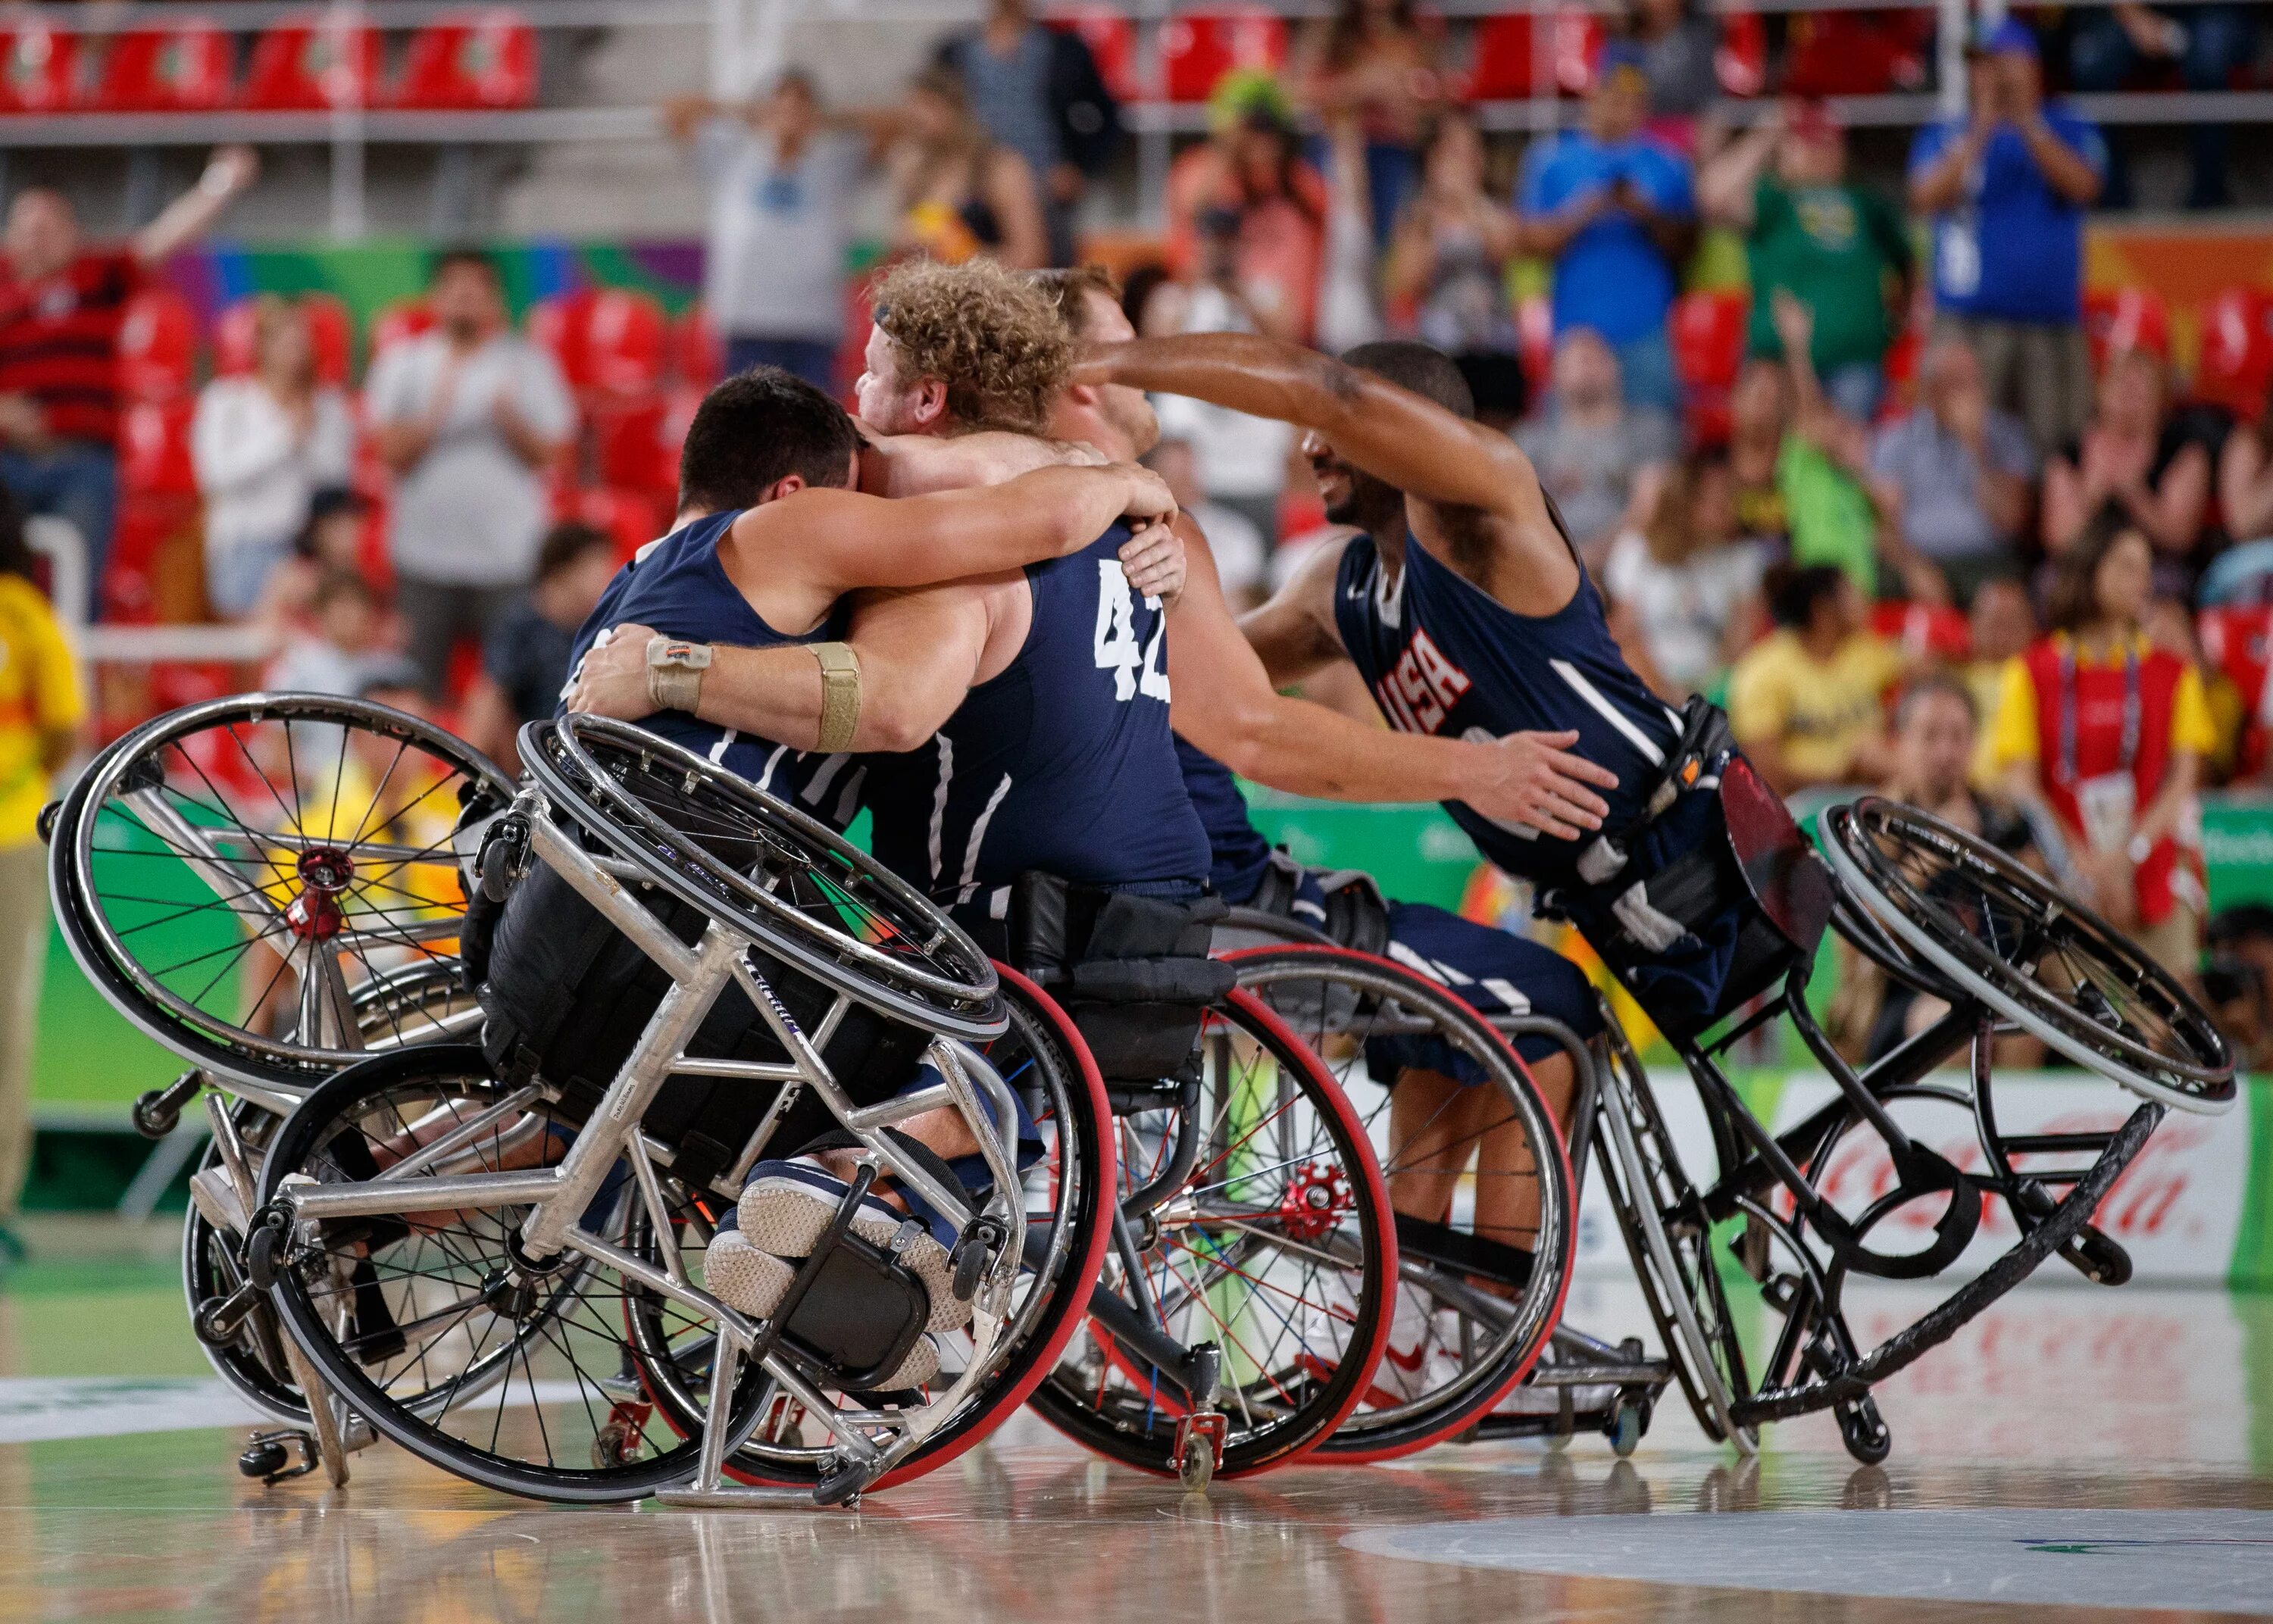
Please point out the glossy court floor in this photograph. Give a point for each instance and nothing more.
(2075, 1455)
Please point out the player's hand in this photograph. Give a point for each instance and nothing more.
(1147, 495)
(1533, 778)
(1152, 558)
(612, 680)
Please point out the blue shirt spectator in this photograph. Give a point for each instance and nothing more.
(1614, 210)
(2012, 249)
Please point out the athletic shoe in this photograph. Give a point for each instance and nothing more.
(1418, 1358)
(787, 1206)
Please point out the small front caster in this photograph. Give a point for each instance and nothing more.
(1628, 1423)
(269, 1457)
(1199, 1447)
(1865, 1434)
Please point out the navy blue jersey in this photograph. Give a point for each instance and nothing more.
(1238, 855)
(679, 587)
(1441, 656)
(1064, 762)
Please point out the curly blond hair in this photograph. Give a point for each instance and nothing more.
(993, 337)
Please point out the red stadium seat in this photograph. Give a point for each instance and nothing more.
(679, 409)
(1111, 37)
(2237, 351)
(185, 67)
(626, 341)
(2129, 318)
(634, 518)
(157, 346)
(1534, 327)
(1576, 47)
(312, 65)
(1199, 48)
(406, 318)
(1741, 63)
(154, 448)
(38, 68)
(1709, 349)
(484, 59)
(1857, 53)
(696, 354)
(627, 443)
(1925, 630)
(331, 333)
(1500, 66)
(557, 324)
(2234, 641)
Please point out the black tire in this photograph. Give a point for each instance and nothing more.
(1324, 1294)
(571, 1319)
(1470, 1352)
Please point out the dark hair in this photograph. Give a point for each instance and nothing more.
(1347, 32)
(450, 259)
(15, 549)
(1426, 371)
(1793, 593)
(2229, 926)
(757, 427)
(1935, 682)
(565, 544)
(1137, 291)
(2074, 598)
(323, 506)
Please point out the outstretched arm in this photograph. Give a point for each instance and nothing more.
(1293, 633)
(1224, 703)
(918, 653)
(188, 217)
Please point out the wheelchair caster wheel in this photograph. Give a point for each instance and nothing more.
(841, 1482)
(269, 1457)
(1199, 1447)
(218, 1319)
(619, 1440)
(974, 1248)
(1865, 1434)
(266, 1460)
(1628, 1423)
(159, 1112)
(2097, 1258)
(264, 1248)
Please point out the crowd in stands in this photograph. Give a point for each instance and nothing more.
(1899, 465)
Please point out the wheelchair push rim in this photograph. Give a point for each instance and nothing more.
(310, 836)
(1938, 889)
(1388, 1000)
(760, 866)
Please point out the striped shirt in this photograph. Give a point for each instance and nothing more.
(59, 341)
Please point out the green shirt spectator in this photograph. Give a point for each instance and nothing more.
(1810, 231)
(1829, 514)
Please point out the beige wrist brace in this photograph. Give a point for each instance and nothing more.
(840, 694)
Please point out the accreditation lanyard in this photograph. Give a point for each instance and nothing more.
(2132, 709)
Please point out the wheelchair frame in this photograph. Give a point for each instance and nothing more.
(557, 1195)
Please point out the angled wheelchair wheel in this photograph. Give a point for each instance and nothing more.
(1670, 1240)
(758, 865)
(1481, 1282)
(430, 1326)
(2036, 956)
(1251, 1286)
(243, 878)
(1069, 1215)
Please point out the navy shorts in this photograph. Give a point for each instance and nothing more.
(1495, 971)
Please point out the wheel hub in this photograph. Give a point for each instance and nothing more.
(325, 872)
(1316, 1197)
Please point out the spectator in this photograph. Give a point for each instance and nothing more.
(1246, 214)
(332, 539)
(2000, 627)
(1038, 91)
(2008, 187)
(1448, 257)
(467, 417)
(2245, 495)
(1808, 230)
(1678, 47)
(1935, 733)
(2170, 624)
(1242, 550)
(1823, 470)
(343, 643)
(781, 185)
(960, 193)
(263, 445)
(61, 305)
(525, 658)
(1612, 207)
(1683, 589)
(41, 713)
(1951, 477)
(1372, 62)
(1804, 701)
(2135, 454)
(2108, 733)
(2108, 45)
(1597, 455)
(1759, 416)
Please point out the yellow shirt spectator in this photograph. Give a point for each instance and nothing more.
(1813, 714)
(39, 698)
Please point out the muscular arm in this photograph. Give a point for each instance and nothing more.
(1293, 633)
(1224, 703)
(914, 465)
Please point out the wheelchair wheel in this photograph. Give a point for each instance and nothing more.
(424, 1326)
(1069, 1227)
(2034, 955)
(1671, 1241)
(240, 878)
(1473, 1308)
(1258, 1223)
(760, 867)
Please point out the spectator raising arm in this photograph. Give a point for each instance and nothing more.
(188, 217)
(1728, 188)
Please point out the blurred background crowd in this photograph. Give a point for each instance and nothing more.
(1789, 308)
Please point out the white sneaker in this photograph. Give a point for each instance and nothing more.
(1418, 1358)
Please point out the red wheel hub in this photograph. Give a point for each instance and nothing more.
(325, 871)
(1316, 1196)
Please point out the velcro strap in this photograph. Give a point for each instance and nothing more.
(1172, 979)
(1471, 1254)
(840, 694)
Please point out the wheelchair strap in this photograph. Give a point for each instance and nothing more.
(1470, 1254)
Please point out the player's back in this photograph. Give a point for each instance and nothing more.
(1064, 762)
